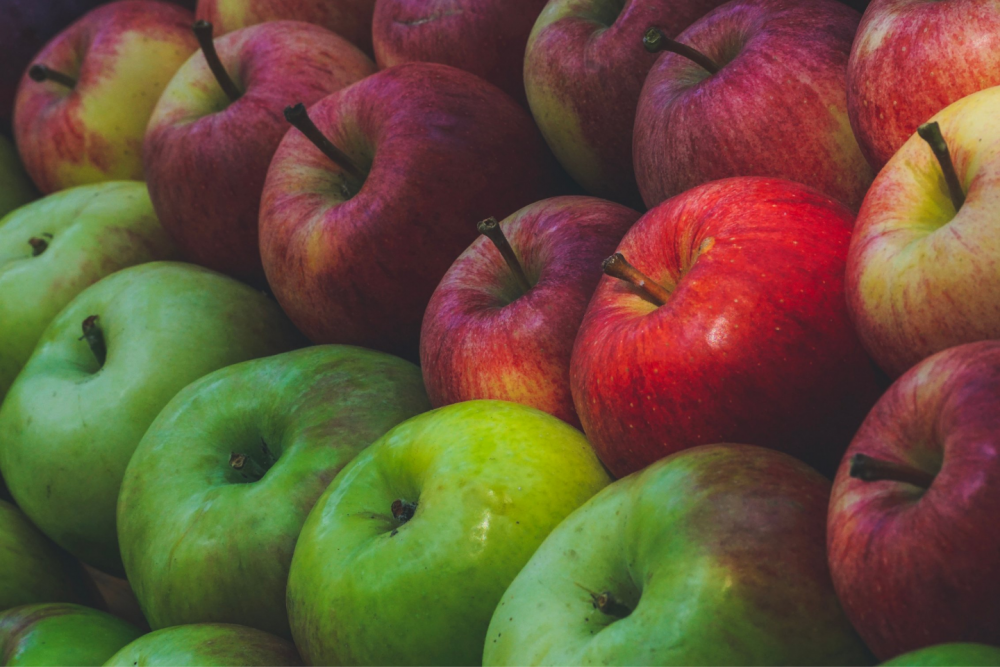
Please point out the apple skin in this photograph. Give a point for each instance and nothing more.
(920, 277)
(718, 551)
(911, 59)
(61, 634)
(949, 655)
(206, 158)
(915, 567)
(15, 188)
(450, 151)
(68, 426)
(95, 230)
(754, 344)
(490, 480)
(122, 55)
(207, 644)
(483, 339)
(316, 409)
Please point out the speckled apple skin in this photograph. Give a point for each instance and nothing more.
(207, 644)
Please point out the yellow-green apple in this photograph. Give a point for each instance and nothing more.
(921, 271)
(775, 104)
(82, 107)
(353, 252)
(207, 645)
(54, 248)
(584, 65)
(15, 188)
(911, 552)
(731, 326)
(949, 655)
(77, 411)
(502, 322)
(254, 444)
(911, 59)
(351, 19)
(713, 556)
(479, 36)
(61, 634)
(405, 556)
(207, 151)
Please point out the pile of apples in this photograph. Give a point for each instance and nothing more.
(501, 332)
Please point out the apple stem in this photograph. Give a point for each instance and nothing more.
(95, 339)
(655, 41)
(299, 117)
(39, 72)
(402, 510)
(490, 228)
(609, 605)
(931, 133)
(39, 244)
(617, 266)
(869, 469)
(203, 31)
(246, 466)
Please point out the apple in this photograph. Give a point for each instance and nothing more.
(61, 634)
(77, 411)
(921, 268)
(54, 248)
(206, 644)
(501, 324)
(353, 245)
(584, 65)
(738, 332)
(765, 96)
(206, 155)
(910, 59)
(949, 655)
(713, 556)
(252, 445)
(909, 536)
(15, 188)
(82, 107)
(407, 553)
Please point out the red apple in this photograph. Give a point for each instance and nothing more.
(912, 58)
(206, 156)
(354, 258)
(752, 342)
(488, 334)
(775, 107)
(911, 533)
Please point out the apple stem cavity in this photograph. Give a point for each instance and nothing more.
(931, 133)
(618, 267)
(246, 466)
(299, 117)
(203, 31)
(95, 339)
(870, 469)
(402, 510)
(39, 72)
(39, 244)
(490, 228)
(607, 603)
(656, 41)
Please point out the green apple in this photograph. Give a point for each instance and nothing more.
(15, 188)
(252, 447)
(405, 556)
(206, 644)
(54, 248)
(61, 634)
(77, 411)
(949, 655)
(713, 556)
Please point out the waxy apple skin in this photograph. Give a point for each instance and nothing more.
(483, 339)
(61, 634)
(719, 554)
(123, 55)
(450, 151)
(910, 59)
(913, 566)
(206, 159)
(207, 644)
(754, 344)
(183, 508)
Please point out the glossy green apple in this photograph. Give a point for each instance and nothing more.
(52, 249)
(713, 556)
(949, 655)
(206, 644)
(405, 556)
(70, 423)
(15, 188)
(217, 491)
(61, 634)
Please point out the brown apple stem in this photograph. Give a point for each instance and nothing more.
(609, 605)
(95, 339)
(490, 228)
(246, 466)
(655, 41)
(203, 31)
(617, 266)
(39, 72)
(39, 244)
(931, 133)
(297, 116)
(402, 510)
(869, 469)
